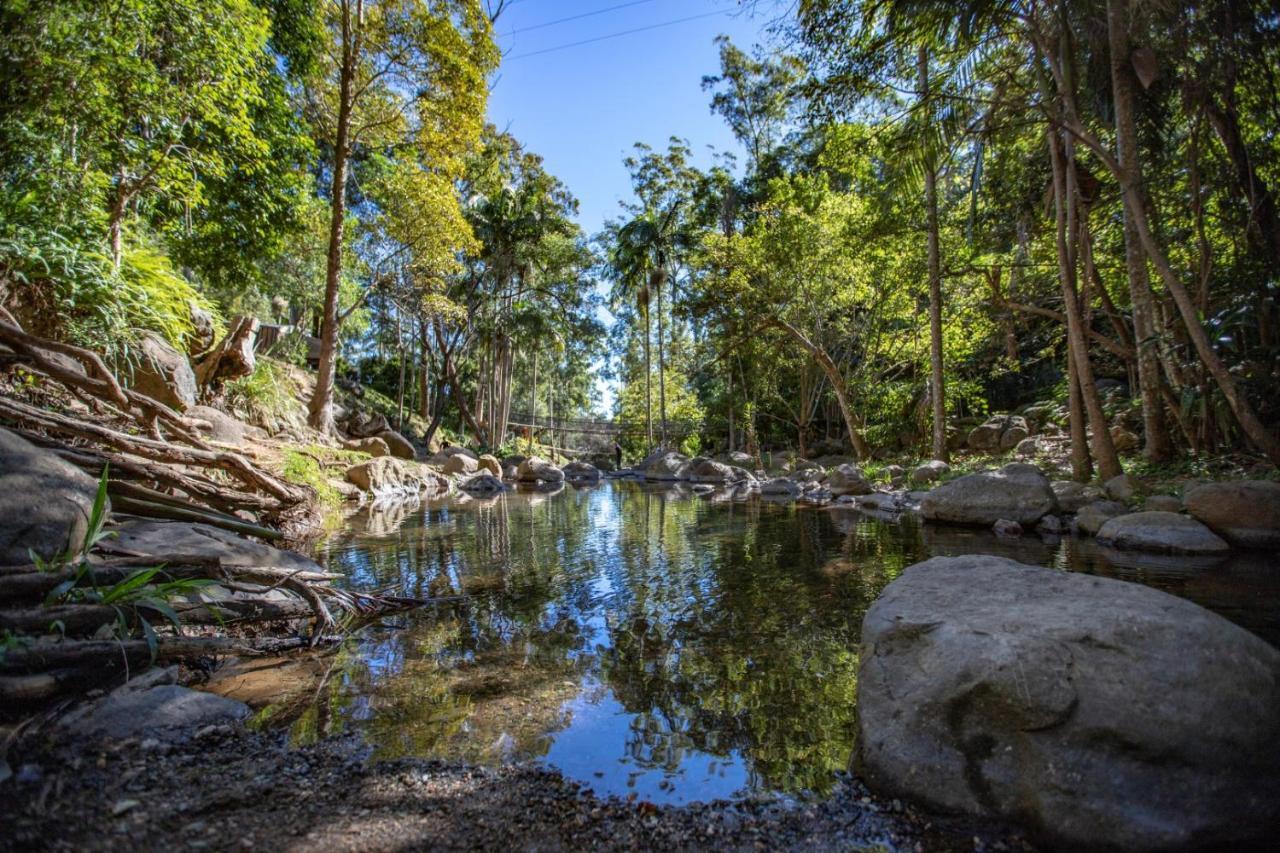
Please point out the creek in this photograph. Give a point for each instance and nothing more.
(645, 640)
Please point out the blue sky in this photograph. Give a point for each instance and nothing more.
(583, 107)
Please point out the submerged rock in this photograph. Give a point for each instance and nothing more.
(538, 470)
(1016, 492)
(1246, 513)
(45, 502)
(1161, 532)
(1099, 713)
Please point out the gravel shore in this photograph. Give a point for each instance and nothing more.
(230, 789)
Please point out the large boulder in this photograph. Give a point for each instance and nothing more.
(400, 447)
(162, 710)
(164, 540)
(372, 445)
(217, 425)
(701, 469)
(848, 479)
(1100, 714)
(1016, 492)
(45, 502)
(581, 472)
(460, 465)
(929, 472)
(781, 487)
(489, 462)
(1015, 431)
(537, 470)
(1161, 532)
(390, 476)
(1246, 513)
(1000, 432)
(1091, 516)
(163, 373)
(483, 483)
(668, 465)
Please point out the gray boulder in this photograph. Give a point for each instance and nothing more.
(164, 540)
(218, 425)
(781, 487)
(45, 502)
(372, 445)
(1100, 714)
(581, 472)
(667, 465)
(1162, 503)
(490, 463)
(701, 469)
(160, 710)
(848, 479)
(163, 373)
(929, 472)
(1120, 488)
(1245, 513)
(1091, 517)
(482, 483)
(737, 457)
(538, 470)
(1016, 492)
(1161, 532)
(1072, 495)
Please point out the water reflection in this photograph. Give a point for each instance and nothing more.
(647, 640)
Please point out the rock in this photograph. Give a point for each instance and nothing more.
(848, 479)
(483, 483)
(893, 471)
(1161, 532)
(1005, 527)
(1120, 488)
(372, 445)
(536, 470)
(1245, 513)
(489, 462)
(1051, 525)
(1103, 714)
(163, 373)
(1123, 439)
(1162, 503)
(880, 502)
(781, 487)
(700, 469)
(1072, 495)
(1091, 517)
(400, 447)
(807, 475)
(45, 502)
(987, 435)
(737, 457)
(455, 450)
(667, 466)
(162, 540)
(347, 491)
(163, 709)
(740, 475)
(581, 472)
(929, 472)
(390, 476)
(1016, 492)
(459, 465)
(203, 332)
(218, 425)
(1014, 435)
(1027, 447)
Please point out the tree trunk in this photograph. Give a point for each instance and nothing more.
(1130, 184)
(320, 415)
(1064, 214)
(1157, 446)
(662, 365)
(937, 388)
(833, 373)
(648, 387)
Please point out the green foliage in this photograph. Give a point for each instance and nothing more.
(269, 397)
(301, 466)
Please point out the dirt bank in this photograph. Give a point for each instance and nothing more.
(229, 789)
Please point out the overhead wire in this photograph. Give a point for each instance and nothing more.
(577, 17)
(718, 12)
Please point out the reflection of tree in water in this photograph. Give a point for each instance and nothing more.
(740, 642)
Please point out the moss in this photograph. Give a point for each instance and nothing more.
(305, 470)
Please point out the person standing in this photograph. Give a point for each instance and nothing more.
(617, 456)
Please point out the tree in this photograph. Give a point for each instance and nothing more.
(397, 72)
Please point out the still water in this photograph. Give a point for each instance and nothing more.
(645, 640)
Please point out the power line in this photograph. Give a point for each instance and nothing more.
(578, 17)
(618, 35)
